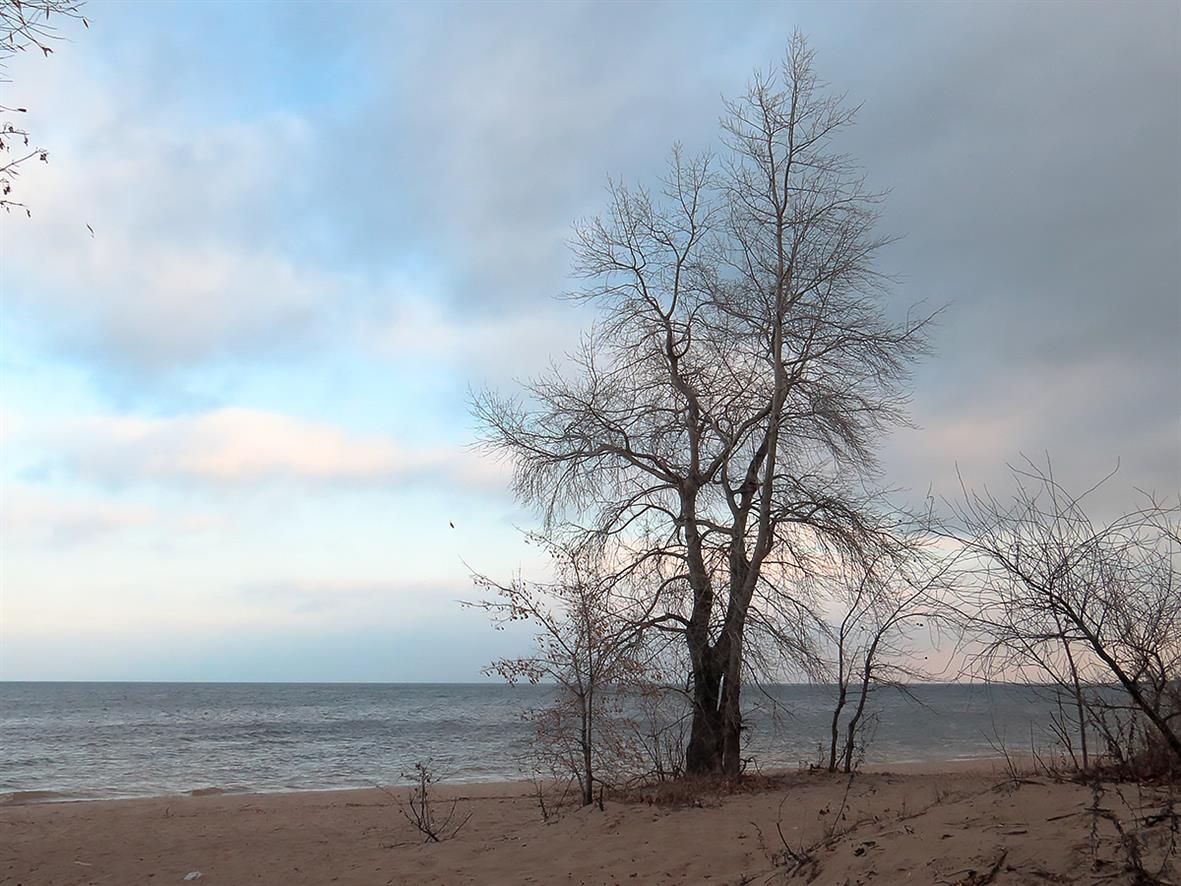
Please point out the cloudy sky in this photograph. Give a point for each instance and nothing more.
(234, 421)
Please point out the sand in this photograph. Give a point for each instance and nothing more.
(969, 825)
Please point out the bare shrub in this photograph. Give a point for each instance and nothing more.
(881, 609)
(1095, 607)
(422, 809)
(1146, 827)
(590, 645)
(658, 720)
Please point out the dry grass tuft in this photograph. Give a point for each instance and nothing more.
(699, 791)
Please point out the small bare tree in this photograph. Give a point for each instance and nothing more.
(658, 708)
(1087, 603)
(24, 25)
(880, 611)
(588, 645)
(422, 807)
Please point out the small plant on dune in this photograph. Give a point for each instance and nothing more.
(423, 811)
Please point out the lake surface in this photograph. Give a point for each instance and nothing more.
(90, 740)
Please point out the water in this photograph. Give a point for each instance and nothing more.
(90, 740)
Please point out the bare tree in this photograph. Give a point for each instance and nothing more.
(715, 437)
(588, 647)
(421, 808)
(880, 613)
(25, 25)
(1085, 602)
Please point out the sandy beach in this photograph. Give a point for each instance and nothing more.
(966, 824)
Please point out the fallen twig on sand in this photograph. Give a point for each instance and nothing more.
(992, 871)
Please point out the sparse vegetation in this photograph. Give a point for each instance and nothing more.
(1094, 607)
(592, 648)
(880, 611)
(703, 470)
(434, 819)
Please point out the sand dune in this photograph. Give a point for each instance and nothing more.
(950, 827)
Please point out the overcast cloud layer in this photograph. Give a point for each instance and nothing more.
(233, 420)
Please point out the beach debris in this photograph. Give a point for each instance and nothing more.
(192, 875)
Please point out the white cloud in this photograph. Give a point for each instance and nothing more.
(186, 261)
(238, 446)
(38, 517)
(32, 515)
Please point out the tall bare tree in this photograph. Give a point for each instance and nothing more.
(716, 432)
(25, 25)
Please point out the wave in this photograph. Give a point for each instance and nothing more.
(17, 798)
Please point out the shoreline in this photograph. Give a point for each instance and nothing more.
(37, 796)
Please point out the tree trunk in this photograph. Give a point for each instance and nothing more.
(703, 756)
(855, 720)
(732, 738)
(588, 767)
(1172, 739)
(1080, 705)
(715, 738)
(732, 707)
(836, 719)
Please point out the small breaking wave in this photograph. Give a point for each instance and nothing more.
(17, 798)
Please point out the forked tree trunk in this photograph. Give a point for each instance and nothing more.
(732, 709)
(855, 720)
(715, 737)
(703, 755)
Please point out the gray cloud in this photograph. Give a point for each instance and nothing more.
(1031, 150)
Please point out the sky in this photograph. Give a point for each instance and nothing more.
(234, 424)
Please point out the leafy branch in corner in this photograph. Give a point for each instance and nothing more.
(26, 24)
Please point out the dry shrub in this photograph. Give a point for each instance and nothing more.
(1144, 757)
(699, 790)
